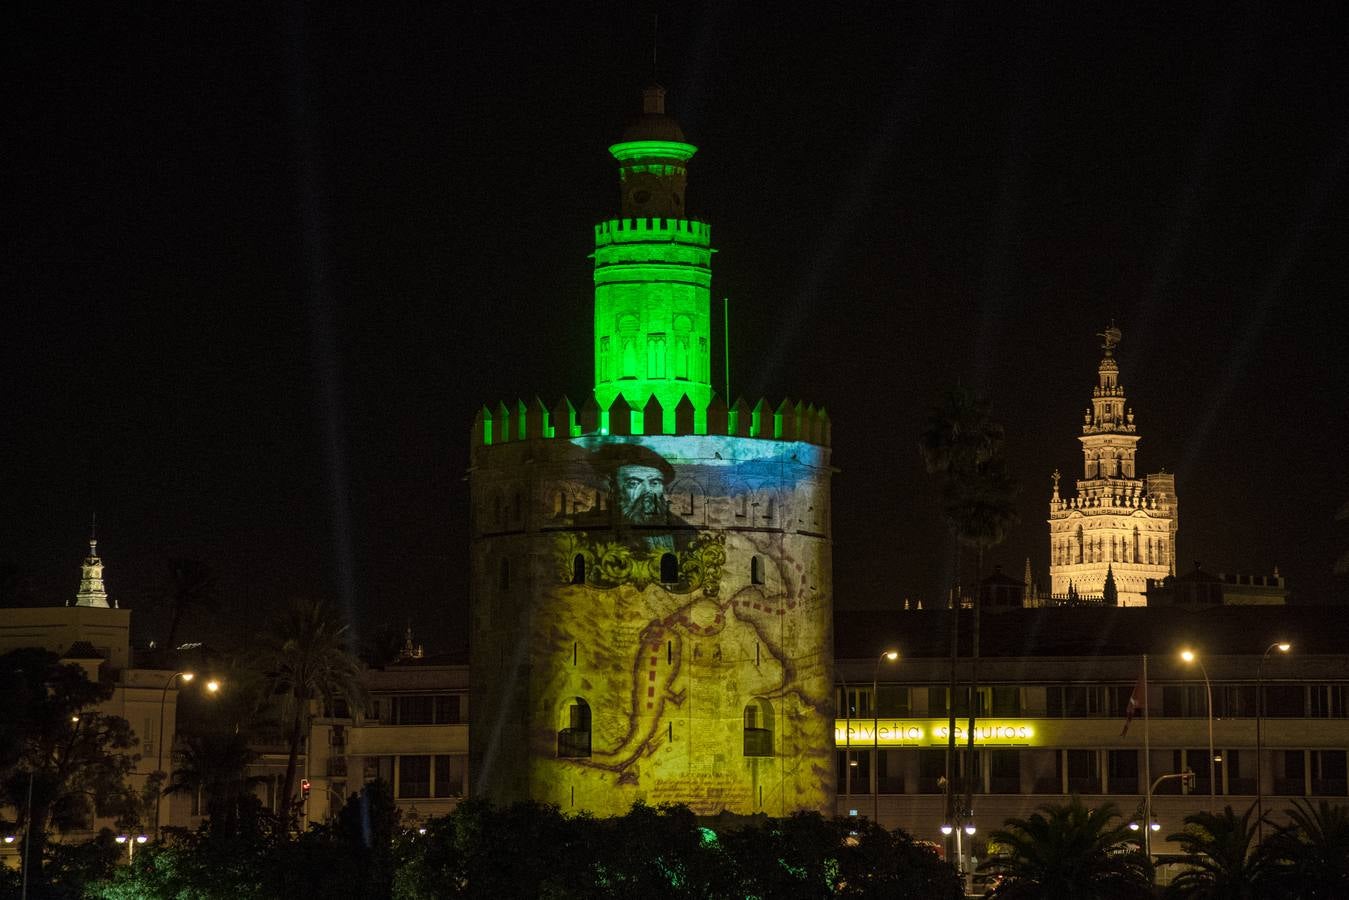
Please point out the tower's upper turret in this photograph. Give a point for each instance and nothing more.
(92, 592)
(1108, 434)
(651, 159)
(653, 276)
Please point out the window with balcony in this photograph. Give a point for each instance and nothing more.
(759, 728)
(573, 739)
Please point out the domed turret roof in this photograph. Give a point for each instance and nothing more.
(653, 124)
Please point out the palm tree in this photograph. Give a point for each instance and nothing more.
(1069, 852)
(962, 449)
(307, 656)
(1224, 860)
(191, 586)
(1310, 856)
(216, 765)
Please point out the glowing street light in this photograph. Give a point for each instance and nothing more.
(946, 830)
(1189, 656)
(211, 686)
(970, 829)
(1282, 647)
(886, 656)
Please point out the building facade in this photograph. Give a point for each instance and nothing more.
(1117, 526)
(1054, 688)
(651, 576)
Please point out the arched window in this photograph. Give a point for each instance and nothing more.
(759, 728)
(755, 570)
(573, 738)
(669, 568)
(504, 575)
(578, 569)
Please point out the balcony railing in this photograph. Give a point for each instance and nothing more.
(573, 743)
(1004, 784)
(1289, 787)
(758, 742)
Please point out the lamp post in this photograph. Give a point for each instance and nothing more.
(187, 677)
(1149, 825)
(131, 843)
(1282, 647)
(1191, 657)
(886, 656)
(847, 745)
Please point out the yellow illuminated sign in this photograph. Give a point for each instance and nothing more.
(930, 732)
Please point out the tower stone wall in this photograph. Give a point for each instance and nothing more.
(651, 573)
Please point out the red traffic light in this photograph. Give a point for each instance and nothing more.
(304, 788)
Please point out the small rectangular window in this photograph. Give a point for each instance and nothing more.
(414, 776)
(447, 710)
(451, 770)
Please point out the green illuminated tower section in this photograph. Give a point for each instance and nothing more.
(652, 277)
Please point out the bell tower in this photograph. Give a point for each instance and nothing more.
(653, 276)
(1119, 529)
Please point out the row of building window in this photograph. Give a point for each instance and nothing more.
(1293, 773)
(669, 570)
(1054, 701)
(573, 738)
(426, 776)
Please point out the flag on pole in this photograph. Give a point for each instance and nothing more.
(1137, 700)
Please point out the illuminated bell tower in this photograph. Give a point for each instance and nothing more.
(92, 592)
(1118, 525)
(653, 275)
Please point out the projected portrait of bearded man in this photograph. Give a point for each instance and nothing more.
(639, 487)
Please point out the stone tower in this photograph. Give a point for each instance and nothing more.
(1117, 523)
(651, 574)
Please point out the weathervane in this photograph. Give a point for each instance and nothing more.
(1111, 336)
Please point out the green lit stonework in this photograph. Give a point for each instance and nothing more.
(653, 278)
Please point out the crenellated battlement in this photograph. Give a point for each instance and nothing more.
(631, 231)
(522, 421)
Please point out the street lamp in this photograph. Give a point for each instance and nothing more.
(212, 686)
(886, 656)
(847, 745)
(1282, 647)
(131, 844)
(1191, 657)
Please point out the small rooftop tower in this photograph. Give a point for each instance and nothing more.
(92, 592)
(653, 276)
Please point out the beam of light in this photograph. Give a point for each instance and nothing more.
(852, 202)
(1320, 190)
(319, 305)
(1227, 81)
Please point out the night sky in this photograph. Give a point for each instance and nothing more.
(262, 263)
